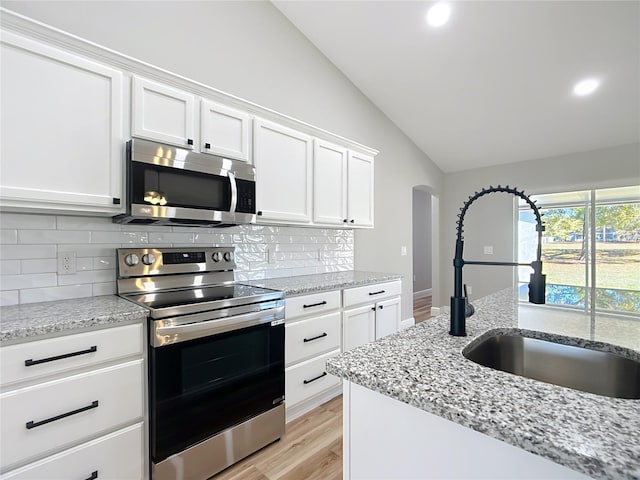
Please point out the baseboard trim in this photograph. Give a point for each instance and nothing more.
(422, 293)
(435, 311)
(409, 322)
(309, 404)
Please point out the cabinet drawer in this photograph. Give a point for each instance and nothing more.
(312, 304)
(371, 293)
(306, 338)
(309, 378)
(31, 360)
(40, 419)
(117, 456)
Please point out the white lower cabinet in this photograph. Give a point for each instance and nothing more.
(370, 312)
(117, 456)
(312, 335)
(79, 411)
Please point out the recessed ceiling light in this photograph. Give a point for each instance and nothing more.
(438, 14)
(586, 87)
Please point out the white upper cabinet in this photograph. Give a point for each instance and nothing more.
(61, 128)
(224, 131)
(329, 183)
(360, 190)
(283, 160)
(162, 113)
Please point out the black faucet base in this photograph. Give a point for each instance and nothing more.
(458, 316)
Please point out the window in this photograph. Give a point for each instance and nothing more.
(590, 249)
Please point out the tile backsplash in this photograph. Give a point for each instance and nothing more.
(30, 245)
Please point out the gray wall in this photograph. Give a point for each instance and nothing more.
(250, 49)
(490, 220)
(422, 240)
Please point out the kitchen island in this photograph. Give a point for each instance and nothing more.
(414, 407)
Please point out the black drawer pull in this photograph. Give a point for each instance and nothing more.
(314, 338)
(30, 362)
(33, 424)
(93, 476)
(324, 302)
(376, 293)
(381, 307)
(323, 374)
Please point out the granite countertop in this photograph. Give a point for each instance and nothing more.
(19, 323)
(306, 284)
(423, 367)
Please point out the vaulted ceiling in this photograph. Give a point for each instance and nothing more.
(494, 85)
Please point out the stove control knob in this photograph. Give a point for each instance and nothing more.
(216, 257)
(131, 260)
(148, 258)
(228, 256)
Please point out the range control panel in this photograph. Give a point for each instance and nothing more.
(139, 262)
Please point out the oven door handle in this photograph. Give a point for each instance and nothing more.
(166, 333)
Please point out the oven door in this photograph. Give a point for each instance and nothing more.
(203, 386)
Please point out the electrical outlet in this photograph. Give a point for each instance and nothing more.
(403, 251)
(488, 250)
(66, 263)
(469, 289)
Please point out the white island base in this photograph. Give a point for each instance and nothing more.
(390, 440)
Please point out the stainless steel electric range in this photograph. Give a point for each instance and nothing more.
(216, 358)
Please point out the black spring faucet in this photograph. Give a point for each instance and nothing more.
(460, 306)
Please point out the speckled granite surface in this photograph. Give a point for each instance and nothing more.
(305, 284)
(28, 321)
(423, 366)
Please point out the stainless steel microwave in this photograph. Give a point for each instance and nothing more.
(168, 185)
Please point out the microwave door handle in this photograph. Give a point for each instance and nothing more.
(234, 192)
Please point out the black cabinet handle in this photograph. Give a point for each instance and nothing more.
(345, 220)
(314, 338)
(189, 141)
(259, 213)
(380, 307)
(376, 293)
(116, 201)
(33, 424)
(323, 374)
(373, 308)
(207, 145)
(93, 476)
(30, 362)
(352, 221)
(324, 302)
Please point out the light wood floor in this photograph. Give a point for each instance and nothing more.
(421, 309)
(310, 449)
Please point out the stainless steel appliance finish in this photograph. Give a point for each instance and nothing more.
(216, 358)
(593, 371)
(167, 185)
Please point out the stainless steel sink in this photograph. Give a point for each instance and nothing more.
(593, 371)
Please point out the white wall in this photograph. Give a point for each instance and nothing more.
(422, 240)
(251, 50)
(490, 220)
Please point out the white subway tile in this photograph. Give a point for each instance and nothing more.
(119, 237)
(33, 295)
(251, 257)
(207, 238)
(9, 252)
(9, 297)
(31, 237)
(39, 265)
(91, 250)
(255, 247)
(8, 236)
(170, 237)
(9, 267)
(69, 222)
(32, 280)
(91, 276)
(27, 221)
(145, 228)
(245, 276)
(107, 288)
(104, 263)
(84, 263)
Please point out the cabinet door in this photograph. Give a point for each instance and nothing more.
(224, 131)
(329, 183)
(358, 326)
(360, 190)
(162, 113)
(61, 127)
(283, 172)
(387, 317)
